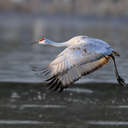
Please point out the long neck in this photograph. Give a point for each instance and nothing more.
(54, 44)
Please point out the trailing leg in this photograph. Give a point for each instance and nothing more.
(120, 80)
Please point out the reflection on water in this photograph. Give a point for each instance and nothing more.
(32, 105)
(96, 102)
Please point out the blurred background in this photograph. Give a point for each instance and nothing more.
(24, 99)
(23, 21)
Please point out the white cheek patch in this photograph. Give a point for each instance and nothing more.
(41, 42)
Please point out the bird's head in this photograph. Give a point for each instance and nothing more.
(42, 41)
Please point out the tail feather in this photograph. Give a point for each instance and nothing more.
(115, 53)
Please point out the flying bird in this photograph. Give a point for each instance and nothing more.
(81, 56)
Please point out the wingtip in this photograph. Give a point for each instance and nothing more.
(55, 84)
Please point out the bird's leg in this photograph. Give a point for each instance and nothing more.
(120, 80)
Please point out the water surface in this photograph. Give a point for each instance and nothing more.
(94, 101)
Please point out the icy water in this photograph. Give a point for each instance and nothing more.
(25, 102)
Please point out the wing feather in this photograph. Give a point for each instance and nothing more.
(71, 65)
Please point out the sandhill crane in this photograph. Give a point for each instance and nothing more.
(81, 56)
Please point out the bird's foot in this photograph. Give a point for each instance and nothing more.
(121, 81)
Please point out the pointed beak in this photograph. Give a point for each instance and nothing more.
(34, 42)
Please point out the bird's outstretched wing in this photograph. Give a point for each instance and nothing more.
(70, 65)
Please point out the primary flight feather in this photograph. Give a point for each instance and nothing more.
(82, 56)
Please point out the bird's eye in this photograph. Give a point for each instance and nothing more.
(42, 39)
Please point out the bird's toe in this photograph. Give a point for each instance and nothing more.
(121, 81)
